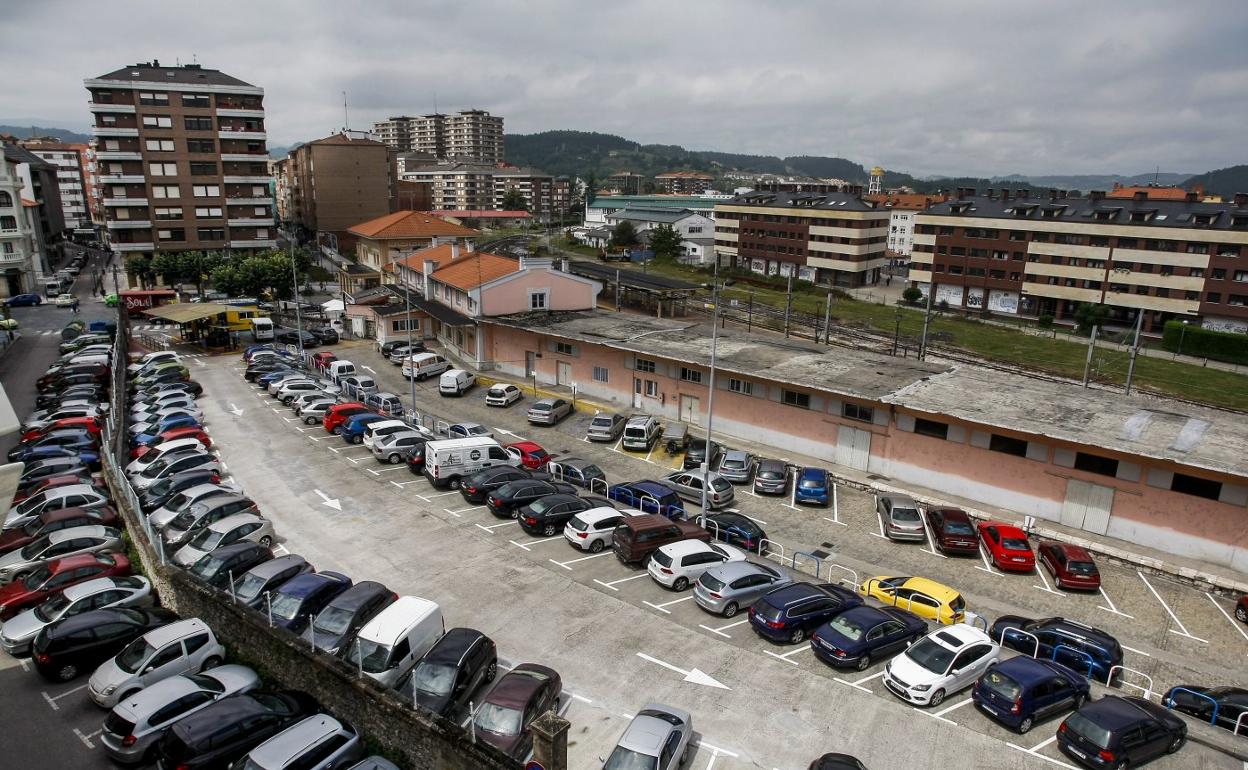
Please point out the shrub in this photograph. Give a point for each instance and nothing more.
(912, 295)
(1045, 321)
(1231, 347)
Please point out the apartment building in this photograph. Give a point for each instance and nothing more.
(19, 233)
(1012, 253)
(902, 209)
(834, 238)
(476, 186)
(381, 242)
(469, 135)
(683, 182)
(625, 183)
(184, 166)
(70, 160)
(337, 182)
(41, 202)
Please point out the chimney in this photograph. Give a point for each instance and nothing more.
(454, 249)
(990, 193)
(1139, 195)
(1096, 195)
(1005, 193)
(1240, 199)
(1191, 197)
(1021, 194)
(427, 270)
(970, 192)
(1052, 193)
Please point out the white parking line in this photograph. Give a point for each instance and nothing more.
(785, 657)
(879, 519)
(836, 510)
(1137, 652)
(529, 546)
(947, 709)
(376, 472)
(281, 550)
(748, 516)
(52, 699)
(1111, 607)
(1034, 752)
(444, 494)
(1043, 579)
(86, 739)
(858, 684)
(463, 510)
(493, 527)
(565, 564)
(987, 564)
(1182, 629)
(931, 542)
(721, 629)
(581, 698)
(1229, 619)
(661, 607)
(401, 484)
(612, 585)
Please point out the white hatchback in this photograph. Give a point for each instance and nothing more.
(594, 530)
(945, 661)
(502, 394)
(677, 565)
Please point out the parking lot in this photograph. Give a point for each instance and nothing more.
(619, 640)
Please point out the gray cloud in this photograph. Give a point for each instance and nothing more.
(959, 86)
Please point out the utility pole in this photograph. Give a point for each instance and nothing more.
(1087, 366)
(407, 293)
(827, 320)
(1135, 349)
(298, 316)
(617, 290)
(710, 398)
(749, 314)
(788, 303)
(927, 318)
(897, 332)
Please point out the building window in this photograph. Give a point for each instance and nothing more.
(691, 375)
(741, 386)
(931, 428)
(8, 247)
(652, 389)
(793, 398)
(206, 191)
(166, 191)
(856, 412)
(403, 324)
(644, 365)
(175, 234)
(1192, 485)
(208, 212)
(1105, 466)
(1214, 297)
(169, 213)
(203, 169)
(8, 223)
(565, 349)
(198, 124)
(196, 100)
(1008, 445)
(1241, 275)
(162, 169)
(601, 374)
(152, 98)
(159, 145)
(211, 233)
(262, 233)
(201, 145)
(157, 121)
(537, 300)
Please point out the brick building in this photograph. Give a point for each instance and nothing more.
(683, 182)
(337, 182)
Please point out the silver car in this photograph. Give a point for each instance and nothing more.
(725, 589)
(314, 412)
(392, 448)
(231, 529)
(606, 426)
(181, 647)
(690, 484)
(54, 499)
(21, 629)
(135, 724)
(58, 545)
(201, 514)
(771, 477)
(161, 517)
(317, 743)
(900, 517)
(737, 466)
(549, 411)
(657, 738)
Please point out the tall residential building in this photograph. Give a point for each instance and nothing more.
(836, 238)
(183, 157)
(480, 186)
(337, 182)
(70, 159)
(1016, 254)
(41, 195)
(19, 253)
(92, 187)
(902, 207)
(683, 182)
(468, 135)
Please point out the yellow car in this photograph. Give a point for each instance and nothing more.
(925, 598)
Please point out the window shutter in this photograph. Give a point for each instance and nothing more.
(835, 406)
(905, 422)
(879, 415)
(1234, 494)
(1158, 478)
(775, 393)
(630, 362)
(1128, 471)
(957, 434)
(980, 439)
(1065, 458)
(1037, 451)
(816, 403)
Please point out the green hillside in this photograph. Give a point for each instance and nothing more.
(1224, 181)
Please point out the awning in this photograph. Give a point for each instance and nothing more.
(184, 312)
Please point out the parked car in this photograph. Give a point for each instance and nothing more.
(507, 500)
(389, 645)
(201, 514)
(251, 586)
(1241, 609)
(861, 635)
(1088, 650)
(467, 430)
(606, 426)
(1007, 546)
(340, 413)
(693, 484)
(547, 516)
(737, 466)
(678, 564)
(549, 411)
(315, 411)
(172, 465)
(946, 661)
(318, 742)
(294, 603)
(771, 477)
(222, 532)
(790, 614)
(71, 646)
(528, 454)
(636, 537)
(505, 715)
(592, 530)
(476, 487)
(227, 729)
(1022, 691)
(725, 589)
(658, 737)
(183, 647)
(456, 382)
(326, 335)
(19, 631)
(58, 545)
(78, 496)
(415, 459)
(1119, 731)
(578, 472)
(54, 520)
(219, 567)
(392, 448)
(337, 623)
(163, 491)
(926, 598)
(899, 516)
(352, 431)
(452, 673)
(648, 496)
(182, 501)
(1221, 706)
(1070, 565)
(296, 337)
(502, 394)
(836, 761)
(952, 531)
(54, 577)
(23, 300)
(696, 454)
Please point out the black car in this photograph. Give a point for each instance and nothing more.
(337, 624)
(476, 487)
(547, 515)
(415, 459)
(258, 370)
(507, 500)
(250, 587)
(837, 762)
(159, 493)
(225, 731)
(389, 347)
(78, 644)
(1120, 731)
(459, 664)
(695, 455)
(293, 337)
(1228, 703)
(326, 335)
(94, 392)
(1090, 651)
(792, 613)
(735, 529)
(219, 567)
(186, 386)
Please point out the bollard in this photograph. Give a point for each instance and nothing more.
(550, 741)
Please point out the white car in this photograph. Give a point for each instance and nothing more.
(65, 300)
(222, 532)
(502, 394)
(944, 662)
(161, 452)
(678, 564)
(593, 530)
(152, 359)
(392, 447)
(292, 388)
(375, 430)
(287, 379)
(21, 629)
(184, 647)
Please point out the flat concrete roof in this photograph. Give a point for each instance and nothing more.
(1146, 426)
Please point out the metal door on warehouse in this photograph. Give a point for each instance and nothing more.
(690, 409)
(1087, 506)
(853, 447)
(563, 373)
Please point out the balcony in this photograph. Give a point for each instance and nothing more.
(251, 222)
(256, 244)
(113, 131)
(249, 200)
(137, 246)
(125, 201)
(12, 258)
(129, 224)
(246, 157)
(119, 155)
(238, 112)
(226, 133)
(122, 178)
(248, 179)
(111, 108)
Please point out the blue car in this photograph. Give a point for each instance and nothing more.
(301, 598)
(90, 456)
(861, 635)
(792, 613)
(168, 423)
(263, 380)
(24, 300)
(813, 487)
(1022, 691)
(1090, 651)
(76, 441)
(649, 497)
(352, 431)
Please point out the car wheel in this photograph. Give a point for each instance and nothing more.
(212, 662)
(596, 546)
(797, 636)
(730, 609)
(1025, 726)
(454, 484)
(1080, 699)
(1242, 614)
(938, 698)
(1177, 743)
(548, 530)
(680, 584)
(338, 431)
(309, 421)
(67, 672)
(357, 439)
(266, 541)
(491, 672)
(1122, 765)
(864, 663)
(395, 459)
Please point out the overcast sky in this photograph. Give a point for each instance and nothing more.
(948, 86)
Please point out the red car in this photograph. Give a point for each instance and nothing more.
(1007, 546)
(338, 414)
(952, 530)
(90, 424)
(1070, 565)
(530, 453)
(51, 521)
(173, 434)
(59, 481)
(55, 576)
(323, 359)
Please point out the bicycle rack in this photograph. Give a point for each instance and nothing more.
(831, 567)
(1001, 639)
(764, 548)
(1239, 722)
(658, 507)
(603, 482)
(555, 470)
(1148, 691)
(713, 527)
(441, 427)
(1080, 653)
(805, 554)
(975, 620)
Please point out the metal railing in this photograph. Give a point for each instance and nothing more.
(1035, 653)
(595, 481)
(770, 549)
(1076, 652)
(1146, 691)
(806, 555)
(853, 574)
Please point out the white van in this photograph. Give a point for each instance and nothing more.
(390, 644)
(423, 365)
(449, 460)
(262, 329)
(338, 369)
(640, 432)
(455, 382)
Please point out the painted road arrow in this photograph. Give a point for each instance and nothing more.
(234, 408)
(371, 369)
(332, 502)
(696, 676)
(507, 433)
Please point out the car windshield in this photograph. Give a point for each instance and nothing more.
(733, 463)
(771, 474)
(185, 519)
(333, 620)
(540, 506)
(578, 524)
(434, 678)
(846, 628)
(35, 548)
(249, 586)
(1015, 544)
(37, 578)
(1081, 725)
(207, 540)
(134, 655)
(1001, 684)
(207, 566)
(905, 514)
(155, 468)
(160, 487)
(958, 528)
(372, 657)
(812, 484)
(285, 606)
(931, 656)
(52, 608)
(720, 485)
(627, 759)
(498, 719)
(1081, 567)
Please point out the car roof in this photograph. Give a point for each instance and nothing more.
(451, 647)
(1072, 551)
(467, 425)
(52, 493)
(275, 751)
(87, 530)
(386, 625)
(685, 547)
(1114, 712)
(526, 446)
(272, 567)
(358, 594)
(1004, 529)
(902, 501)
(162, 635)
(650, 486)
(234, 520)
(1027, 670)
(221, 500)
(770, 464)
(309, 582)
(646, 734)
(89, 588)
(515, 687)
(731, 570)
(813, 473)
(957, 636)
(233, 548)
(931, 588)
(594, 515)
(736, 454)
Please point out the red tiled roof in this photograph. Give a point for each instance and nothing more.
(1152, 193)
(27, 202)
(483, 214)
(915, 201)
(410, 224)
(474, 269)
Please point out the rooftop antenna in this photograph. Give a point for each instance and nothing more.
(435, 101)
(194, 59)
(346, 116)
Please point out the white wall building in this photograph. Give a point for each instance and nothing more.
(689, 224)
(901, 231)
(70, 179)
(18, 234)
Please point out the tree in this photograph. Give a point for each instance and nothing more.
(624, 235)
(665, 242)
(139, 266)
(1088, 315)
(513, 200)
(912, 295)
(167, 265)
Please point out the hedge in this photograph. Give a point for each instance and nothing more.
(1231, 347)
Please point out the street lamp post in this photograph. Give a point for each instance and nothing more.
(710, 399)
(1182, 334)
(298, 316)
(407, 293)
